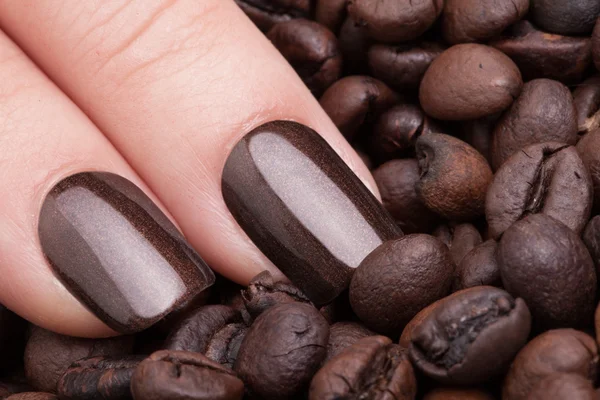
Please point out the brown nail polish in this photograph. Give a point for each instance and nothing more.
(303, 207)
(116, 251)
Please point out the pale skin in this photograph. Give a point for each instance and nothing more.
(157, 91)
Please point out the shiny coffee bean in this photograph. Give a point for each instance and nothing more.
(469, 81)
(559, 350)
(48, 354)
(588, 148)
(544, 112)
(591, 238)
(98, 378)
(542, 55)
(282, 350)
(354, 44)
(32, 396)
(548, 178)
(586, 98)
(454, 342)
(343, 335)
(396, 181)
(476, 20)
(352, 100)
(574, 17)
(449, 393)
(561, 386)
(478, 133)
(478, 267)
(331, 13)
(373, 368)
(311, 49)
(183, 375)
(402, 66)
(266, 13)
(418, 264)
(392, 21)
(541, 260)
(453, 177)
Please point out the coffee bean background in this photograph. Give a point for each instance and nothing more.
(480, 121)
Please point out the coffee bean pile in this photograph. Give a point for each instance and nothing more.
(480, 121)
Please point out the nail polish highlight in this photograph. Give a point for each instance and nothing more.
(117, 252)
(303, 207)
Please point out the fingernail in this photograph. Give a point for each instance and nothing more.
(116, 251)
(303, 207)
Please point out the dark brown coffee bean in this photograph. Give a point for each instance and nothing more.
(453, 177)
(225, 344)
(591, 238)
(544, 112)
(373, 368)
(398, 279)
(331, 13)
(263, 292)
(596, 45)
(589, 151)
(478, 267)
(351, 100)
(561, 386)
(560, 350)
(354, 44)
(476, 20)
(343, 335)
(183, 375)
(48, 354)
(282, 350)
(586, 98)
(573, 17)
(397, 181)
(402, 66)
(98, 378)
(448, 393)
(478, 133)
(548, 178)
(266, 13)
(32, 396)
(542, 55)
(465, 237)
(469, 81)
(407, 332)
(195, 332)
(541, 260)
(311, 49)
(454, 342)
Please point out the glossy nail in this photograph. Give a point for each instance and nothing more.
(303, 207)
(116, 251)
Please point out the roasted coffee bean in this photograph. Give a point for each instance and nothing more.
(573, 17)
(351, 100)
(282, 350)
(343, 335)
(476, 20)
(548, 178)
(453, 177)
(591, 238)
(373, 368)
(465, 237)
(561, 386)
(544, 112)
(331, 13)
(586, 98)
(478, 133)
(454, 342)
(541, 260)
(402, 66)
(225, 344)
(398, 279)
(354, 44)
(406, 336)
(396, 181)
(449, 393)
(195, 332)
(559, 350)
(596, 45)
(469, 81)
(478, 267)
(393, 21)
(542, 55)
(264, 292)
(48, 354)
(588, 148)
(396, 131)
(311, 49)
(183, 375)
(32, 396)
(98, 378)
(266, 13)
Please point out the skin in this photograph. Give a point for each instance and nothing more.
(147, 96)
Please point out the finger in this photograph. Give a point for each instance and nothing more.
(174, 85)
(95, 254)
